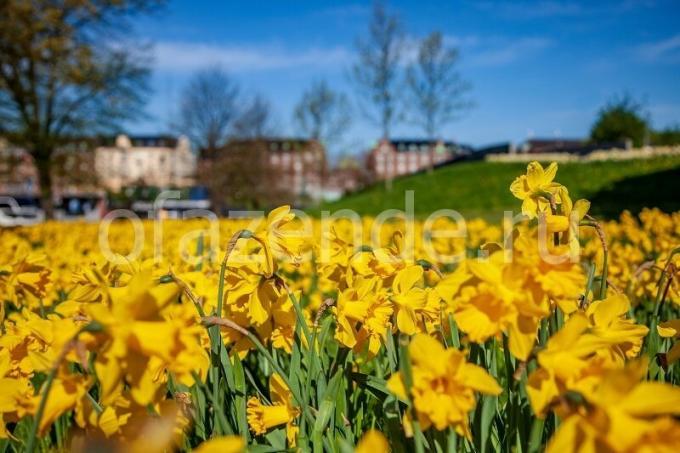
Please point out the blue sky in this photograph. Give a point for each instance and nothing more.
(538, 69)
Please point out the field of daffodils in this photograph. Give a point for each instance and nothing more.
(556, 332)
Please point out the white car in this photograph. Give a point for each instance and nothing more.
(14, 213)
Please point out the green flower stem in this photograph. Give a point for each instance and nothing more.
(591, 222)
(406, 372)
(33, 438)
(224, 322)
(653, 339)
(510, 405)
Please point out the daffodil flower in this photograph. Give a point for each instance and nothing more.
(409, 299)
(261, 417)
(444, 385)
(621, 414)
(535, 188)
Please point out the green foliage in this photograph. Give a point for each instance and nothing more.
(666, 137)
(620, 119)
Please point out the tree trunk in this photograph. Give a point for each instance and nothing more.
(45, 183)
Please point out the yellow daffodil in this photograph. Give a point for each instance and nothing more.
(26, 280)
(588, 346)
(224, 444)
(354, 306)
(622, 414)
(444, 385)
(372, 441)
(535, 187)
(670, 329)
(261, 418)
(494, 302)
(409, 299)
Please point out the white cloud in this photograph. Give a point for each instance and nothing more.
(503, 51)
(183, 56)
(486, 51)
(664, 51)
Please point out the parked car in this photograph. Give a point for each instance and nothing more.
(18, 211)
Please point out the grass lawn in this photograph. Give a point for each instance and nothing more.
(481, 188)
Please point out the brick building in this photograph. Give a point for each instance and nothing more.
(392, 158)
(349, 175)
(301, 165)
(292, 166)
(18, 175)
(72, 170)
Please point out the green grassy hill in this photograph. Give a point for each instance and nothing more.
(481, 188)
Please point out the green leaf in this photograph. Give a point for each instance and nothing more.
(453, 332)
(240, 396)
(328, 403)
(536, 437)
(199, 252)
(391, 350)
(375, 383)
(452, 441)
(295, 374)
(485, 419)
(277, 439)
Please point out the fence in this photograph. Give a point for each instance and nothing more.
(646, 152)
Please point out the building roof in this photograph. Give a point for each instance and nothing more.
(141, 141)
(153, 140)
(278, 144)
(495, 148)
(409, 144)
(572, 146)
(552, 141)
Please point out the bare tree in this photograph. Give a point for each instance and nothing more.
(322, 114)
(376, 71)
(436, 91)
(255, 120)
(241, 176)
(63, 73)
(208, 107)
